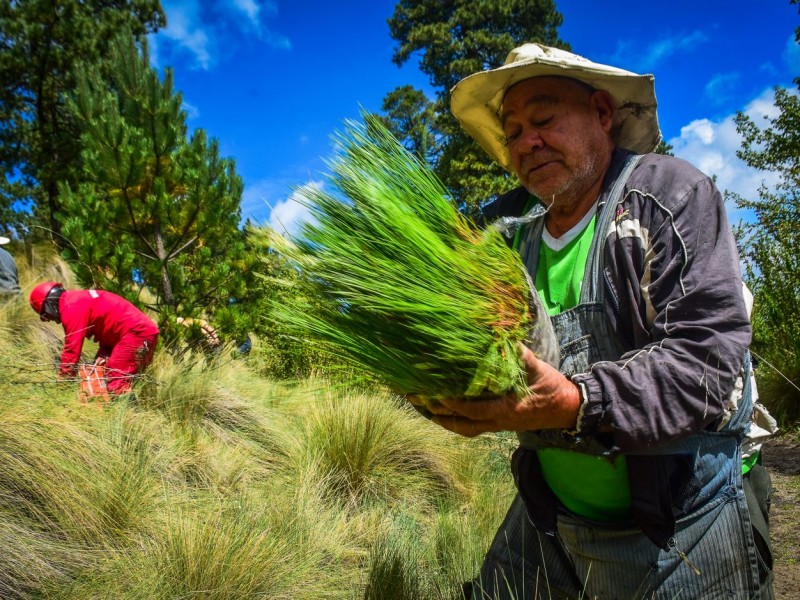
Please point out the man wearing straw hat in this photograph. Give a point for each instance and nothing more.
(630, 465)
(9, 280)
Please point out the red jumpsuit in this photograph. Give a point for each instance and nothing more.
(127, 337)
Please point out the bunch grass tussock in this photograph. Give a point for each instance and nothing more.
(34, 563)
(232, 555)
(415, 559)
(299, 530)
(43, 263)
(371, 449)
(778, 388)
(414, 293)
(71, 481)
(179, 388)
(16, 311)
(226, 430)
(218, 551)
(31, 350)
(394, 569)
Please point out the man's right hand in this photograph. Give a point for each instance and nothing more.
(552, 402)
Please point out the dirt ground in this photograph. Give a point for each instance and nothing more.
(782, 458)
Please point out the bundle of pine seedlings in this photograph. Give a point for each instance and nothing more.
(407, 289)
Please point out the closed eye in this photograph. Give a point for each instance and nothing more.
(539, 124)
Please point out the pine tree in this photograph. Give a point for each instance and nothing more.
(453, 40)
(43, 46)
(156, 210)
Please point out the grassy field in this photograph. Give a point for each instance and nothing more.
(215, 483)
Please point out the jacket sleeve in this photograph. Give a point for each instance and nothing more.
(75, 323)
(678, 282)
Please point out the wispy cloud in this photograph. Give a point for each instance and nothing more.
(192, 112)
(250, 8)
(636, 58)
(791, 55)
(722, 88)
(209, 31)
(259, 197)
(789, 61)
(186, 32)
(711, 146)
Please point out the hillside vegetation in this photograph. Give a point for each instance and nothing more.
(214, 482)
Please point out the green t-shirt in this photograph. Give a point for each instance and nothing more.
(590, 486)
(561, 269)
(748, 462)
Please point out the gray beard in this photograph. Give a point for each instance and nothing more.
(569, 194)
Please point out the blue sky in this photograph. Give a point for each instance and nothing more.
(272, 79)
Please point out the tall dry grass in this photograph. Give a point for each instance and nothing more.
(213, 482)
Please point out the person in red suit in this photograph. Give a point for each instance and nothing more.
(126, 336)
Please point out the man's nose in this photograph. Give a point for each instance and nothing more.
(527, 143)
(530, 139)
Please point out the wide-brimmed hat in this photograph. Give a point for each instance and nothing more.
(477, 100)
(4, 240)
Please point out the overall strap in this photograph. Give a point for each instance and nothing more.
(591, 288)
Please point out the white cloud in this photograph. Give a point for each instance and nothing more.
(790, 58)
(265, 203)
(711, 146)
(207, 31)
(702, 129)
(250, 8)
(185, 30)
(256, 199)
(288, 216)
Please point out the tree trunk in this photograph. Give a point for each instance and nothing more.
(166, 284)
(52, 209)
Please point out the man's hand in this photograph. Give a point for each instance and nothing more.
(552, 402)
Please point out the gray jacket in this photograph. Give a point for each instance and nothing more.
(673, 281)
(9, 281)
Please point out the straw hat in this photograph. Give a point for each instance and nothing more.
(477, 100)
(4, 240)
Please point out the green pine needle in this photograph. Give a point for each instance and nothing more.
(412, 292)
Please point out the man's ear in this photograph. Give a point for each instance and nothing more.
(603, 106)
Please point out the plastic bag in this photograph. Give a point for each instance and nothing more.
(93, 385)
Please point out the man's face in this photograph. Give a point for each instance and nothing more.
(557, 132)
